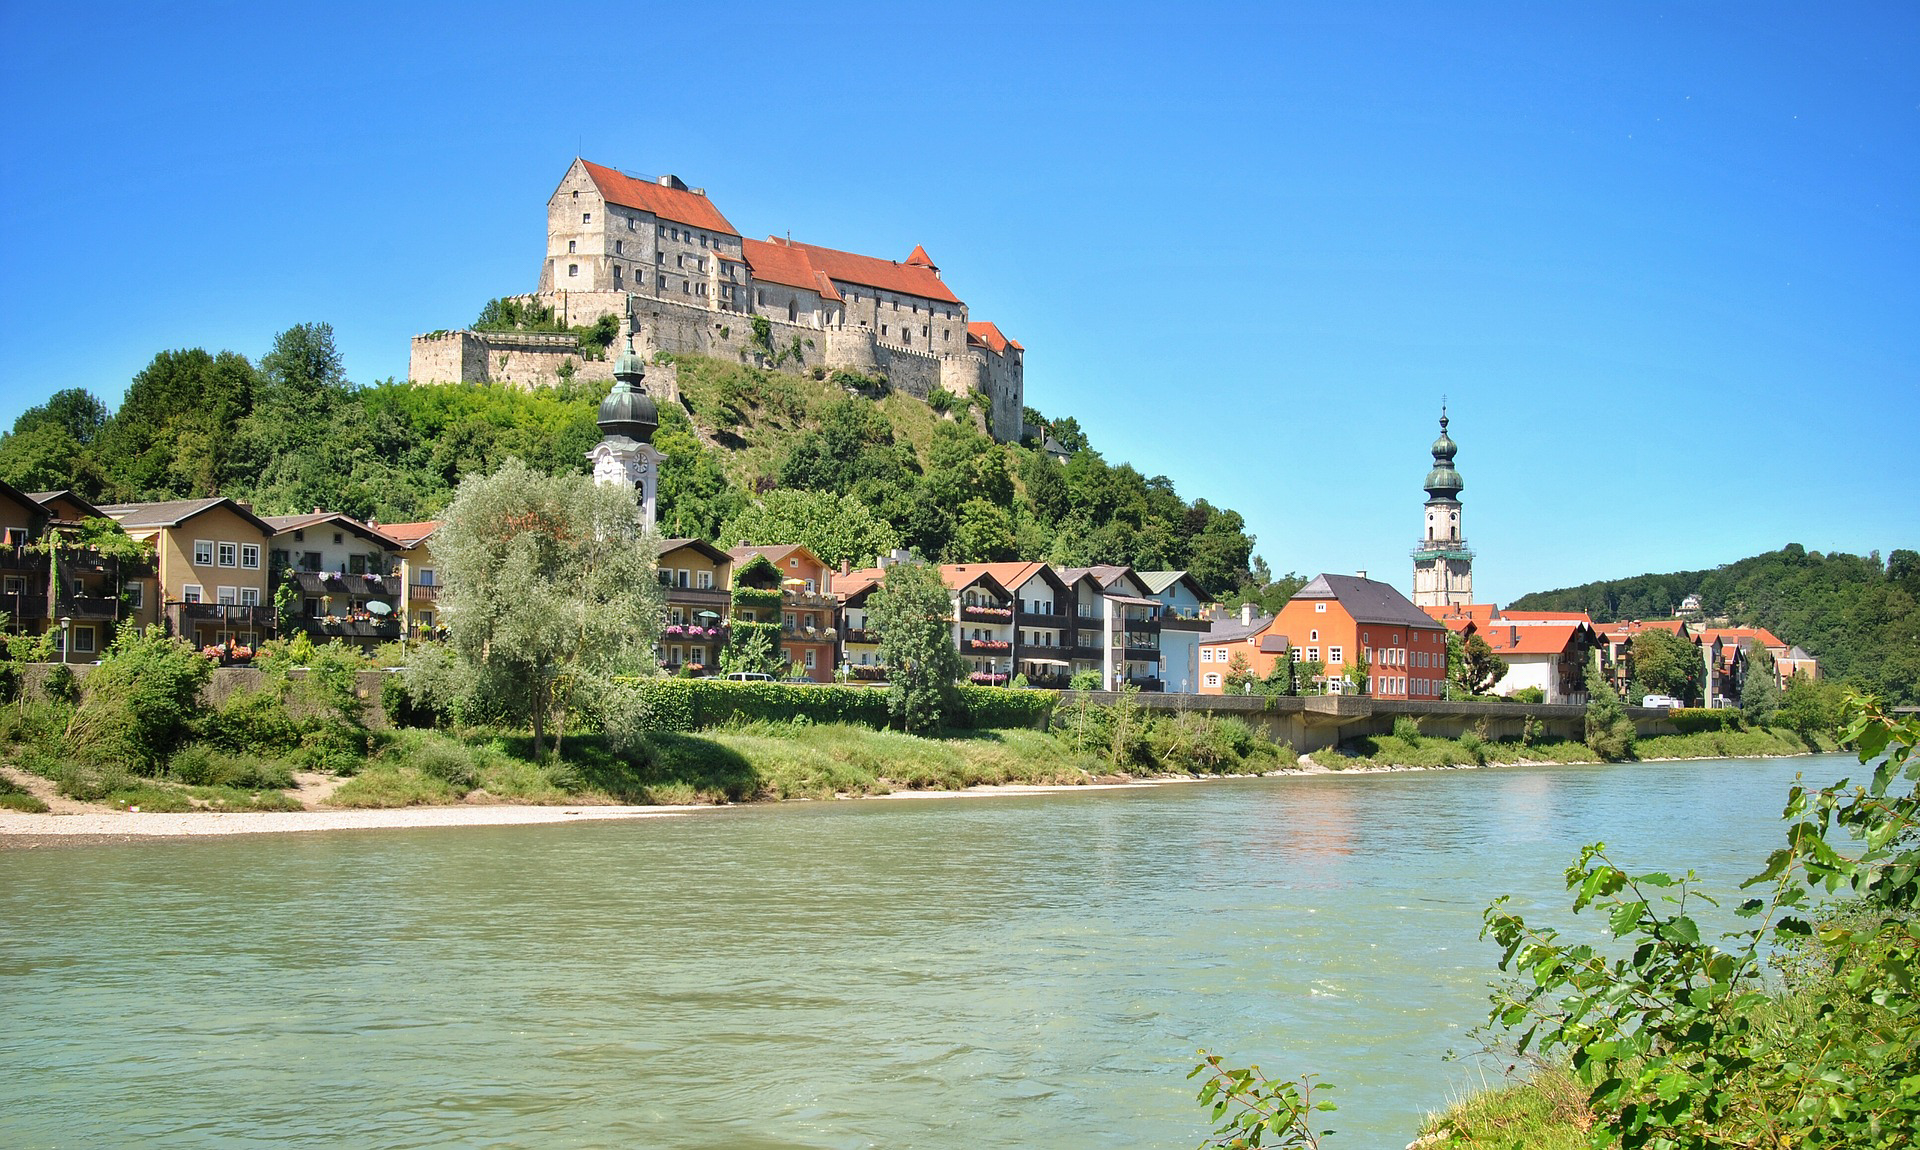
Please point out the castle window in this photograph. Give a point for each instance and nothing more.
(573, 269)
(616, 273)
(663, 231)
(703, 241)
(883, 329)
(576, 195)
(946, 335)
(660, 258)
(572, 246)
(619, 247)
(586, 217)
(663, 283)
(630, 223)
(906, 336)
(685, 288)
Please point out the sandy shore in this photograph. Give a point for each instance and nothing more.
(25, 832)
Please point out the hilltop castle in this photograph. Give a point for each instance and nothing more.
(698, 287)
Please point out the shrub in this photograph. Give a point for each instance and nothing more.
(1406, 728)
(200, 765)
(1687, 720)
(1528, 695)
(1084, 681)
(435, 756)
(23, 802)
(134, 707)
(1475, 744)
(990, 708)
(393, 786)
(692, 704)
(252, 722)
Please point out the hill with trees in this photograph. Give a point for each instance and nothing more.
(1859, 616)
(835, 460)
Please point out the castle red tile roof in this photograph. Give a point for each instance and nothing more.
(667, 203)
(919, 258)
(844, 267)
(988, 335)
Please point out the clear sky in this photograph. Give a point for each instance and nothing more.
(1662, 260)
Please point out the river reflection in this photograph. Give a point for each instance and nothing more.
(1009, 972)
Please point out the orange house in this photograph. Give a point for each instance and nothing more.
(809, 613)
(1332, 621)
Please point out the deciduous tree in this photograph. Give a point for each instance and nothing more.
(913, 614)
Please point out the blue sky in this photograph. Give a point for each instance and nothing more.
(1662, 260)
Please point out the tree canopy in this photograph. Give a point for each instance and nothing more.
(913, 614)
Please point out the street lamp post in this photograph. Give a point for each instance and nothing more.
(66, 637)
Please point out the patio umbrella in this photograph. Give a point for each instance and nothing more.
(706, 614)
(378, 608)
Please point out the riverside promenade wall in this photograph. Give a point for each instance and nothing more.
(1318, 722)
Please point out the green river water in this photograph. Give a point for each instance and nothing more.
(1003, 972)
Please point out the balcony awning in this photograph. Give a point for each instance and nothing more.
(1048, 662)
(1132, 600)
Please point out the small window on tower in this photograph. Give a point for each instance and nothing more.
(586, 217)
(573, 269)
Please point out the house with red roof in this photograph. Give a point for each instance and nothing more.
(662, 258)
(1332, 621)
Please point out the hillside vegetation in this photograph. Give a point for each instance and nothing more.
(834, 460)
(1860, 617)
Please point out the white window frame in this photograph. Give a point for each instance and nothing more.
(227, 596)
(250, 556)
(1213, 678)
(136, 593)
(203, 552)
(807, 657)
(249, 596)
(1336, 655)
(1320, 607)
(1313, 654)
(83, 639)
(192, 593)
(229, 553)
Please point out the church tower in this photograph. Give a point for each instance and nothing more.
(628, 418)
(1442, 562)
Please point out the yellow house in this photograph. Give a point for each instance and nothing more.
(212, 556)
(698, 578)
(420, 608)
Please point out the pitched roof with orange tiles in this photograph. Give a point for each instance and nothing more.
(1734, 635)
(1545, 617)
(843, 267)
(667, 203)
(988, 335)
(1012, 576)
(409, 534)
(1463, 616)
(1538, 639)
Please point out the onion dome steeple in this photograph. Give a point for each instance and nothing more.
(628, 410)
(1443, 482)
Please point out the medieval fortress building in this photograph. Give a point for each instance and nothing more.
(697, 286)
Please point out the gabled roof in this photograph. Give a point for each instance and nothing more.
(988, 335)
(1106, 575)
(857, 584)
(1465, 618)
(713, 554)
(1274, 644)
(409, 535)
(845, 267)
(1367, 600)
(28, 503)
(47, 498)
(1544, 617)
(1759, 635)
(776, 554)
(174, 512)
(1537, 639)
(1157, 582)
(668, 203)
(960, 576)
(283, 524)
(787, 264)
(918, 258)
(1236, 631)
(1635, 626)
(1014, 576)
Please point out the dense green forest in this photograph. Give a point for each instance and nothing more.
(837, 461)
(1859, 616)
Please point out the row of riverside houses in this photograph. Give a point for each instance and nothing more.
(1550, 650)
(212, 573)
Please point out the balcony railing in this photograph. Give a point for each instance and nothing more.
(1445, 548)
(1185, 623)
(701, 596)
(971, 613)
(318, 583)
(860, 635)
(986, 646)
(24, 606)
(806, 599)
(1042, 617)
(181, 615)
(372, 627)
(423, 592)
(87, 607)
(806, 635)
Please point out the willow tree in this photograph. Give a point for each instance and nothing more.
(549, 583)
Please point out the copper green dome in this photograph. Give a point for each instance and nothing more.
(1443, 482)
(628, 410)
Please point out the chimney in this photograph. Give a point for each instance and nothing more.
(1246, 614)
(1362, 573)
(318, 511)
(846, 567)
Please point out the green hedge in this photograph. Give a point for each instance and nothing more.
(691, 704)
(754, 597)
(1687, 720)
(997, 708)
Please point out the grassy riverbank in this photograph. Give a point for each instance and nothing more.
(1411, 749)
(1546, 1112)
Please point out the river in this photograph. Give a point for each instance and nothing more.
(1005, 972)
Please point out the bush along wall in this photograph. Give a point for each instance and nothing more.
(692, 704)
(1688, 720)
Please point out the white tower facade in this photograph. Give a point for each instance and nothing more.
(626, 454)
(1442, 561)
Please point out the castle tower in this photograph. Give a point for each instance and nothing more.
(1442, 562)
(628, 419)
